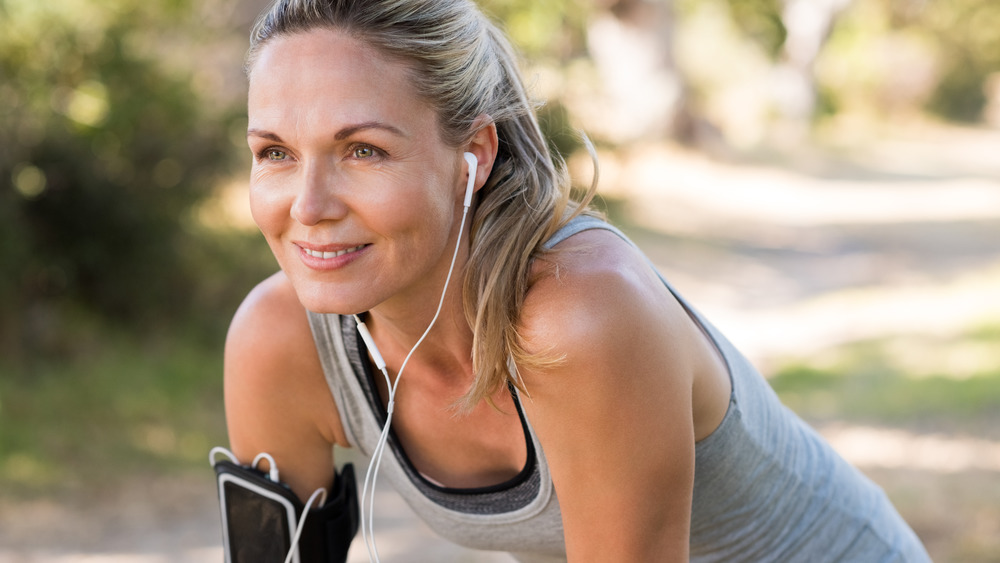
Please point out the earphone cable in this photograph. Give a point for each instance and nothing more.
(373, 466)
(321, 493)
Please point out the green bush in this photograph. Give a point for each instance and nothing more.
(103, 151)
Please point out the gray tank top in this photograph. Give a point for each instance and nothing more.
(766, 488)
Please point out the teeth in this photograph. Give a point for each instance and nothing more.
(328, 255)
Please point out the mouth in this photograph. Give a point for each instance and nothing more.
(325, 255)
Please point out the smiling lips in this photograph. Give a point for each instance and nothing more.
(329, 255)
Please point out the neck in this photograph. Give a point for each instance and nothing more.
(445, 351)
(434, 321)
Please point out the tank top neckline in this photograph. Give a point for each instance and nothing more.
(367, 381)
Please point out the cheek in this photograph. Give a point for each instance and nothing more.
(273, 226)
(426, 220)
(414, 203)
(267, 209)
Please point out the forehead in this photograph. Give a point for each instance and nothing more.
(325, 76)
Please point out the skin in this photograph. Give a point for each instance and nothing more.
(347, 157)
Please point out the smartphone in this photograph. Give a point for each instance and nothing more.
(259, 516)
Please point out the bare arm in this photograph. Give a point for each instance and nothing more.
(277, 400)
(615, 416)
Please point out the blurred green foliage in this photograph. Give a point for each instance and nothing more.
(968, 32)
(552, 32)
(104, 151)
(761, 21)
(959, 38)
(898, 45)
(543, 29)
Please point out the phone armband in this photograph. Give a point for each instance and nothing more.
(260, 517)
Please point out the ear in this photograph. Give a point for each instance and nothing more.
(484, 145)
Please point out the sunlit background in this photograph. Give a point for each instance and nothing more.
(821, 178)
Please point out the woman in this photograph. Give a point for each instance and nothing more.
(566, 404)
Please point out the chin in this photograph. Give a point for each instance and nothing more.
(329, 306)
(322, 298)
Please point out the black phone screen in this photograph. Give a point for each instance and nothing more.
(258, 526)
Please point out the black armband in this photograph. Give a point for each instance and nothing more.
(260, 516)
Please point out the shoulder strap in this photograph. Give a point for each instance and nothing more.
(578, 224)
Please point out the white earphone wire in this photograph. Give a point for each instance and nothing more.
(321, 493)
(368, 535)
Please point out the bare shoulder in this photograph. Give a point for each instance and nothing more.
(593, 292)
(269, 335)
(270, 305)
(624, 371)
(276, 395)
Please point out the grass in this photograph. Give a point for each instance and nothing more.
(125, 406)
(949, 384)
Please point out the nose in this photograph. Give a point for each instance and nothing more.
(316, 199)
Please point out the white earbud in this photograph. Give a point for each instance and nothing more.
(370, 343)
(473, 163)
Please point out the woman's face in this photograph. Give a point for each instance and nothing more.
(352, 186)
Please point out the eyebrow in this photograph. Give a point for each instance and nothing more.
(264, 135)
(339, 136)
(352, 129)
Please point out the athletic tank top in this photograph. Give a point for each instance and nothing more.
(766, 488)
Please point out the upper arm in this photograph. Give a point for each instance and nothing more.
(276, 397)
(614, 417)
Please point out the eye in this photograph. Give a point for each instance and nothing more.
(275, 155)
(364, 152)
(271, 154)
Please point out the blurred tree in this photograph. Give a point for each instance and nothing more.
(890, 57)
(548, 34)
(607, 67)
(963, 33)
(543, 30)
(968, 34)
(762, 21)
(103, 151)
(644, 96)
(792, 33)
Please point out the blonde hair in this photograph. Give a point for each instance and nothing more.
(464, 67)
